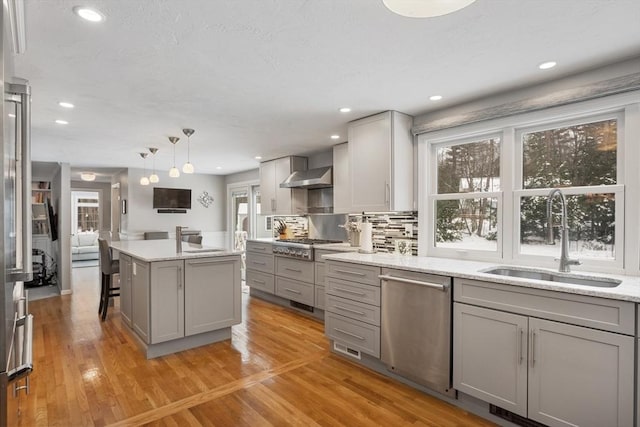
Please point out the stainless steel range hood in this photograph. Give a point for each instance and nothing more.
(310, 179)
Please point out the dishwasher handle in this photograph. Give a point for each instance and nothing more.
(439, 286)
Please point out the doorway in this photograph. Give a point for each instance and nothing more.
(243, 207)
(85, 226)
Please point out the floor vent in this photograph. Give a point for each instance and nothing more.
(301, 306)
(341, 348)
(514, 418)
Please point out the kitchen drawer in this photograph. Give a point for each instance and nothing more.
(592, 312)
(320, 297)
(352, 333)
(259, 247)
(262, 281)
(295, 269)
(260, 262)
(354, 272)
(317, 254)
(354, 291)
(320, 273)
(295, 290)
(354, 310)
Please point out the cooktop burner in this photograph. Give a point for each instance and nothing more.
(298, 248)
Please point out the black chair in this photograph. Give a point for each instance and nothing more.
(156, 235)
(108, 267)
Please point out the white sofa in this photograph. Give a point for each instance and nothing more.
(84, 246)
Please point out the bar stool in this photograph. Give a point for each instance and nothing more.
(108, 267)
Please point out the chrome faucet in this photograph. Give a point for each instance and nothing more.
(565, 261)
(179, 238)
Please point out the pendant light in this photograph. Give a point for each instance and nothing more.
(144, 180)
(153, 178)
(425, 9)
(174, 172)
(188, 167)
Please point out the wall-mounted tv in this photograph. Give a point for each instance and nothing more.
(171, 198)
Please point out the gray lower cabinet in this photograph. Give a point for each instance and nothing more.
(352, 307)
(319, 276)
(167, 300)
(262, 281)
(140, 276)
(295, 290)
(212, 296)
(553, 372)
(260, 266)
(295, 280)
(125, 289)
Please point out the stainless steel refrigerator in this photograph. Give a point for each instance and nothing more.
(16, 336)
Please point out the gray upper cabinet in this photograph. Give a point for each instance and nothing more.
(381, 163)
(341, 179)
(281, 201)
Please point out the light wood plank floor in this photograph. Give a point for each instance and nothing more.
(276, 370)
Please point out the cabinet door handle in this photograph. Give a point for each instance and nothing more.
(293, 269)
(179, 277)
(259, 262)
(355, 273)
(293, 291)
(520, 352)
(349, 291)
(360, 313)
(439, 286)
(261, 282)
(342, 331)
(387, 192)
(533, 348)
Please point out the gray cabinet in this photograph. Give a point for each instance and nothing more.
(140, 276)
(167, 300)
(125, 288)
(548, 370)
(341, 179)
(212, 297)
(260, 266)
(352, 307)
(319, 276)
(281, 201)
(381, 163)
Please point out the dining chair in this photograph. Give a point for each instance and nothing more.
(108, 268)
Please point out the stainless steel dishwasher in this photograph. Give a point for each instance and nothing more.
(416, 327)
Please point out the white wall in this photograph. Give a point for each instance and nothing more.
(61, 194)
(245, 176)
(141, 216)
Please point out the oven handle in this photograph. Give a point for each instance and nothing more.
(26, 365)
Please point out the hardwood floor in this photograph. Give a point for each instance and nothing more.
(276, 370)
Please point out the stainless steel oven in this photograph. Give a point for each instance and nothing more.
(298, 248)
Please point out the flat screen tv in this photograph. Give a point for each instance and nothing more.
(171, 198)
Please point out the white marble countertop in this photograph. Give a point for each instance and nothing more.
(628, 290)
(342, 247)
(262, 239)
(165, 250)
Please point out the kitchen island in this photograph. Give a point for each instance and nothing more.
(175, 301)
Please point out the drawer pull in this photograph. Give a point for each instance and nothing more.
(262, 282)
(349, 291)
(259, 262)
(342, 331)
(439, 286)
(293, 269)
(361, 313)
(259, 248)
(293, 290)
(355, 273)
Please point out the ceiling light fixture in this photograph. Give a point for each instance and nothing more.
(335, 136)
(435, 98)
(154, 178)
(144, 180)
(258, 157)
(88, 14)
(13, 116)
(87, 176)
(345, 110)
(218, 167)
(62, 122)
(66, 104)
(188, 167)
(547, 65)
(174, 172)
(425, 9)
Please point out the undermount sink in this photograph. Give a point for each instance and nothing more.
(549, 276)
(197, 251)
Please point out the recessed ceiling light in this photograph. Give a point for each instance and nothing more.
(425, 9)
(218, 167)
(66, 104)
(547, 65)
(435, 97)
(88, 14)
(335, 136)
(345, 110)
(62, 122)
(13, 116)
(258, 157)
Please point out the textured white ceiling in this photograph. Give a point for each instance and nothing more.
(266, 77)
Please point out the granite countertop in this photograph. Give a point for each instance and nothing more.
(165, 250)
(628, 290)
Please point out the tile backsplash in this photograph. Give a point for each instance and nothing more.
(390, 227)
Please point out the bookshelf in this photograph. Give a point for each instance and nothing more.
(40, 200)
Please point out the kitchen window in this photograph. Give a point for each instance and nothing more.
(484, 187)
